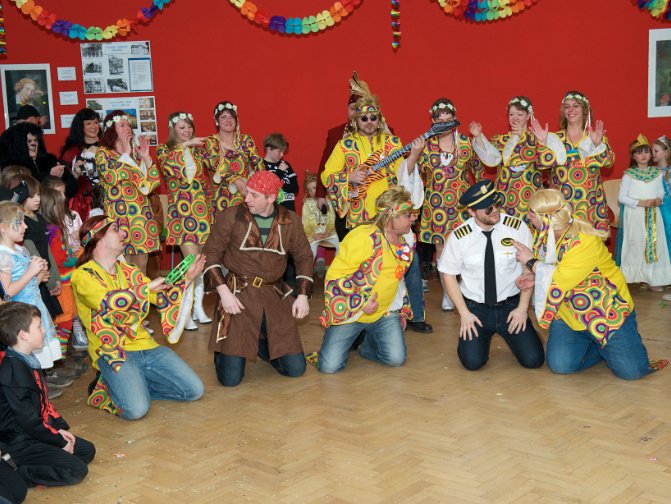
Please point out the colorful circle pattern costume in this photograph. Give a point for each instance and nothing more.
(519, 174)
(445, 182)
(580, 181)
(126, 188)
(189, 215)
(229, 166)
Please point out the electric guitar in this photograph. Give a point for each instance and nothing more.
(374, 164)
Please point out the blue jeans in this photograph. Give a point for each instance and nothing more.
(413, 282)
(526, 345)
(231, 368)
(148, 375)
(571, 351)
(383, 343)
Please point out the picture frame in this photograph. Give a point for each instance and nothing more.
(659, 73)
(28, 84)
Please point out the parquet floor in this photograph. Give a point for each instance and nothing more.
(429, 432)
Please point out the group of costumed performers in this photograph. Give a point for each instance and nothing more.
(232, 156)
(246, 258)
(580, 294)
(113, 299)
(354, 185)
(643, 250)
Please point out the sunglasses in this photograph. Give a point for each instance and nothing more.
(489, 210)
(365, 119)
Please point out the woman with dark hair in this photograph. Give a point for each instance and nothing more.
(588, 152)
(128, 175)
(113, 299)
(25, 147)
(78, 153)
(232, 156)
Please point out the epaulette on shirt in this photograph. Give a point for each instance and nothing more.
(462, 231)
(512, 222)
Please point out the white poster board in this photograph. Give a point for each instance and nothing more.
(141, 112)
(117, 67)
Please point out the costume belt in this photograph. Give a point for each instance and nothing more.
(241, 281)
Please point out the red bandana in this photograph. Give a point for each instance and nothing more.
(265, 182)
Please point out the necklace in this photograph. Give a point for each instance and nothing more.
(402, 254)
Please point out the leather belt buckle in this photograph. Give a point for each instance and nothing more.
(257, 282)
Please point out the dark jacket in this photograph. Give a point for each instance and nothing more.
(25, 410)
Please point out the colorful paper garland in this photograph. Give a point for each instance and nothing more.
(395, 24)
(296, 25)
(659, 9)
(3, 47)
(482, 11)
(64, 28)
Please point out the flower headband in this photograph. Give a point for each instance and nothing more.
(366, 109)
(95, 230)
(181, 117)
(577, 97)
(115, 119)
(441, 106)
(224, 106)
(525, 104)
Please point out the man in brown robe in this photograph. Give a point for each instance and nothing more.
(256, 312)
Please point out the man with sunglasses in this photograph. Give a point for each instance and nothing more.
(481, 251)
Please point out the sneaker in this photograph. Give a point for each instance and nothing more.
(75, 366)
(53, 392)
(656, 365)
(425, 285)
(666, 297)
(54, 379)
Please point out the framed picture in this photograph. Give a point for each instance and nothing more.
(659, 73)
(28, 85)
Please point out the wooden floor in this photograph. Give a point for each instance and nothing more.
(429, 432)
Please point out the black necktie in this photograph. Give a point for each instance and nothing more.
(490, 271)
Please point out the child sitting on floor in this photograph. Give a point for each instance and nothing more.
(31, 431)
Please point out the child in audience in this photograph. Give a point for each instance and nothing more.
(21, 274)
(64, 224)
(641, 251)
(31, 431)
(318, 223)
(275, 145)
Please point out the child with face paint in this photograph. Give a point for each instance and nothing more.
(21, 275)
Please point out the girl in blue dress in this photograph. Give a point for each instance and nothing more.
(21, 275)
(661, 156)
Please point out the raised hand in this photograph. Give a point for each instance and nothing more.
(475, 129)
(539, 132)
(597, 133)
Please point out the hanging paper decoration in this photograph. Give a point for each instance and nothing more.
(296, 25)
(481, 11)
(395, 23)
(659, 9)
(68, 29)
(3, 48)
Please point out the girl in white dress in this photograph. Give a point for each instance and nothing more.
(642, 252)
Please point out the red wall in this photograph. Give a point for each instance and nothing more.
(299, 85)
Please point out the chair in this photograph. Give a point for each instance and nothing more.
(612, 189)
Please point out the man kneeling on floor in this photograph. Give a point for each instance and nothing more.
(256, 313)
(364, 288)
(488, 301)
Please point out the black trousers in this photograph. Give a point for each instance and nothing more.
(39, 463)
(12, 488)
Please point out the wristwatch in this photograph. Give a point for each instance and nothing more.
(530, 263)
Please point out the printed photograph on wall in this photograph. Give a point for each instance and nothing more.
(659, 73)
(27, 85)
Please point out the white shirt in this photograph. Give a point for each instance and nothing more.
(464, 254)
